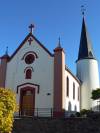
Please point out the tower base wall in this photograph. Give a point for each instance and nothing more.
(87, 72)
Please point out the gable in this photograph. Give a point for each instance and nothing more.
(30, 35)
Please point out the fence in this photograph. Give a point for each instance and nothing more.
(36, 112)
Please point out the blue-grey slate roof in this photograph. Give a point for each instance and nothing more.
(85, 49)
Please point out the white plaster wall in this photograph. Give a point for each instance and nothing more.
(73, 102)
(87, 72)
(42, 74)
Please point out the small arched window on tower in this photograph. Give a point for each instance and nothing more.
(28, 74)
(67, 87)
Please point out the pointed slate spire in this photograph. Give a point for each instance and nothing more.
(6, 53)
(59, 47)
(59, 43)
(85, 49)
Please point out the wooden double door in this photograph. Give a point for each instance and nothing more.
(27, 101)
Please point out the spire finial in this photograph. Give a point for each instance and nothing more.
(31, 28)
(6, 50)
(59, 42)
(83, 10)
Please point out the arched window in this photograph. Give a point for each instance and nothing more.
(78, 93)
(28, 74)
(67, 87)
(73, 90)
(69, 106)
(75, 108)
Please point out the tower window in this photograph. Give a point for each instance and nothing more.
(73, 90)
(28, 74)
(67, 87)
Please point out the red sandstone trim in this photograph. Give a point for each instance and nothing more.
(5, 57)
(59, 114)
(29, 52)
(21, 97)
(28, 68)
(27, 84)
(58, 49)
(3, 69)
(58, 92)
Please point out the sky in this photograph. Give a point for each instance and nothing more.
(52, 18)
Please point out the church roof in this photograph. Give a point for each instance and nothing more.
(68, 70)
(5, 56)
(27, 37)
(85, 49)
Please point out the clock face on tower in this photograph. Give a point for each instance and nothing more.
(29, 59)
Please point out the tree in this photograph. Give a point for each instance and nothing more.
(7, 109)
(96, 95)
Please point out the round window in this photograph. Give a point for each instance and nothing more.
(29, 59)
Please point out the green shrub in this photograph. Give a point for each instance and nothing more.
(77, 114)
(85, 112)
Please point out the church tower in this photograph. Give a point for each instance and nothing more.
(59, 80)
(3, 67)
(87, 70)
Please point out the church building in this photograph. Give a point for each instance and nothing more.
(42, 81)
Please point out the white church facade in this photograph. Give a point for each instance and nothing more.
(41, 80)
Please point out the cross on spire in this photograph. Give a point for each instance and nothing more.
(31, 28)
(83, 10)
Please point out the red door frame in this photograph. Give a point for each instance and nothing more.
(22, 90)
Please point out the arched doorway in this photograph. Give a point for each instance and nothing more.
(27, 101)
